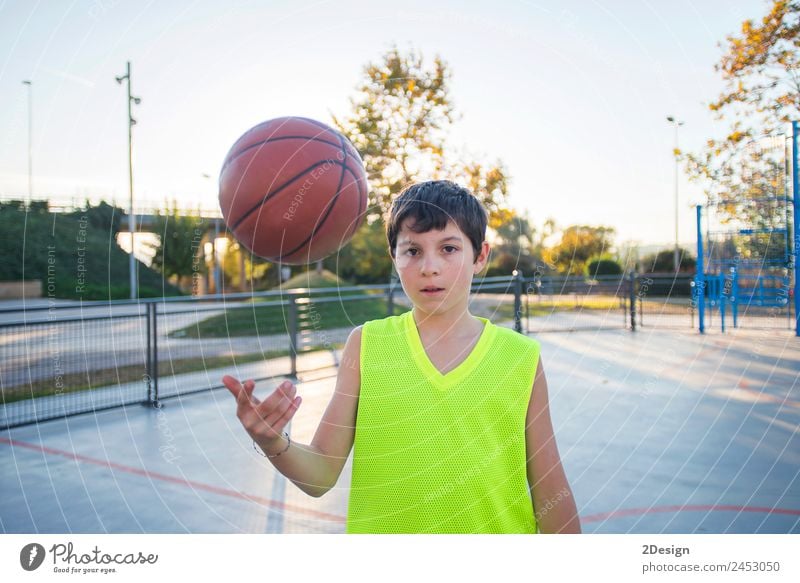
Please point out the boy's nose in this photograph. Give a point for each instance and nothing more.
(429, 266)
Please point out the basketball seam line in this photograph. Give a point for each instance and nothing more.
(278, 139)
(246, 216)
(319, 225)
(279, 189)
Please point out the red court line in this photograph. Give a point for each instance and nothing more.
(340, 519)
(688, 507)
(176, 480)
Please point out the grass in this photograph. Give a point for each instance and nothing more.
(265, 320)
(258, 320)
(86, 381)
(562, 304)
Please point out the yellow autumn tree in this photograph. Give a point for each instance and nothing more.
(579, 244)
(760, 67)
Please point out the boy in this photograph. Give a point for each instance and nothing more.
(447, 414)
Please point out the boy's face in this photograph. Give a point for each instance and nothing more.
(444, 260)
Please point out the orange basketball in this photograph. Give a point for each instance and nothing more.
(293, 190)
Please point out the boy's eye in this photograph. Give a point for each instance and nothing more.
(412, 251)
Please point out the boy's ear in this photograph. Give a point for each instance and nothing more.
(483, 258)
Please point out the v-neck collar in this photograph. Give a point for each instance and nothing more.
(463, 369)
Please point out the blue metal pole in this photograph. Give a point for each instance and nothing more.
(796, 213)
(735, 296)
(699, 278)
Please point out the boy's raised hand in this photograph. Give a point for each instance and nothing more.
(263, 420)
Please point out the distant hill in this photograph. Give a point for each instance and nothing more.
(75, 255)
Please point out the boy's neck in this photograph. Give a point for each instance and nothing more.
(451, 323)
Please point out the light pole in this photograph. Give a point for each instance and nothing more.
(30, 138)
(676, 151)
(131, 217)
(217, 274)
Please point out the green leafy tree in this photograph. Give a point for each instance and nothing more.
(366, 258)
(259, 274)
(664, 262)
(603, 265)
(105, 216)
(74, 254)
(180, 243)
(399, 121)
(513, 248)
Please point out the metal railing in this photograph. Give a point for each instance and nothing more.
(570, 303)
(75, 357)
(78, 357)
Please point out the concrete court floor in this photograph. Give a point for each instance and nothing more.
(659, 431)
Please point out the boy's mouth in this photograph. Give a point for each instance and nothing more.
(432, 290)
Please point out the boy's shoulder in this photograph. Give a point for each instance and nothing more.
(504, 334)
(499, 333)
(388, 323)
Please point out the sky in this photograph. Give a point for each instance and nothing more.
(572, 97)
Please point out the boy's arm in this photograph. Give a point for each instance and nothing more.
(553, 503)
(336, 432)
(313, 468)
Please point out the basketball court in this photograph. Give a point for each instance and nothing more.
(659, 431)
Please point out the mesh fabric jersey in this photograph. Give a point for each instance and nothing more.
(441, 453)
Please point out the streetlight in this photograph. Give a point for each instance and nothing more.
(131, 217)
(676, 256)
(30, 138)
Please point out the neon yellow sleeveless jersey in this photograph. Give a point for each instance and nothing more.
(438, 453)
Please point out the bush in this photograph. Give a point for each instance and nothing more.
(603, 266)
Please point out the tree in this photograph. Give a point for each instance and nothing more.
(490, 185)
(513, 248)
(105, 216)
(399, 122)
(578, 244)
(366, 258)
(663, 262)
(603, 265)
(180, 242)
(760, 68)
(761, 71)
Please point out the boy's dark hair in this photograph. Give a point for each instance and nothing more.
(431, 204)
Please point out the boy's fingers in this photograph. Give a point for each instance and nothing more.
(232, 385)
(249, 386)
(278, 399)
(287, 416)
(243, 401)
(285, 402)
